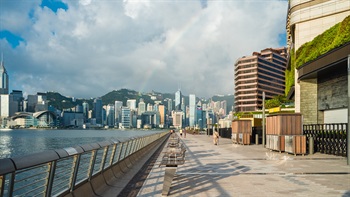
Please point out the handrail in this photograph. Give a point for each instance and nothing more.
(58, 172)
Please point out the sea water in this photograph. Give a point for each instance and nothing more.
(18, 142)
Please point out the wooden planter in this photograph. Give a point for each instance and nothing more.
(242, 126)
(244, 138)
(275, 142)
(284, 124)
(295, 144)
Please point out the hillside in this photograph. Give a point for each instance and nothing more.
(59, 101)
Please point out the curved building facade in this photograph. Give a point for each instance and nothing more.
(306, 20)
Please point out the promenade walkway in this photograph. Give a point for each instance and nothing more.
(236, 170)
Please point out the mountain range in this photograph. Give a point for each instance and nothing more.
(59, 101)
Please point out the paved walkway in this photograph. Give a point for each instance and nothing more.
(236, 170)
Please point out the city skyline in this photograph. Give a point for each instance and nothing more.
(87, 48)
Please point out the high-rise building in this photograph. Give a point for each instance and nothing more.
(161, 109)
(192, 110)
(170, 106)
(141, 107)
(110, 113)
(18, 97)
(126, 117)
(261, 72)
(177, 118)
(178, 99)
(149, 107)
(86, 111)
(199, 117)
(131, 103)
(37, 102)
(118, 111)
(97, 110)
(4, 79)
(155, 107)
(4, 105)
(223, 106)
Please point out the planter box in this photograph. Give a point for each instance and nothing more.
(234, 138)
(284, 124)
(275, 142)
(244, 138)
(295, 144)
(242, 126)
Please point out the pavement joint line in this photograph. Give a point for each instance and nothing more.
(282, 159)
(264, 173)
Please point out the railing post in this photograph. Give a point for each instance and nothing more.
(11, 183)
(105, 153)
(120, 151)
(50, 179)
(75, 172)
(113, 154)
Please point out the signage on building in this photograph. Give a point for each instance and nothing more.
(274, 110)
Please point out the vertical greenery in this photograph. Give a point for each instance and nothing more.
(290, 72)
(332, 38)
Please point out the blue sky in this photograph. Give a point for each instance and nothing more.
(86, 48)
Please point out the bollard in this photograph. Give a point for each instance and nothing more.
(256, 139)
(168, 178)
(311, 145)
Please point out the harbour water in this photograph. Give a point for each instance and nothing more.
(19, 142)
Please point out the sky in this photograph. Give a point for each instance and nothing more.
(87, 48)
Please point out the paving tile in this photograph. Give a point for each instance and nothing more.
(235, 170)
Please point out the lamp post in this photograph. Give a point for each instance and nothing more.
(348, 130)
(263, 120)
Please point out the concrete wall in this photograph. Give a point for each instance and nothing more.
(333, 92)
(322, 94)
(308, 101)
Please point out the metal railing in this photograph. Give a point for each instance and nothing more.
(328, 138)
(59, 172)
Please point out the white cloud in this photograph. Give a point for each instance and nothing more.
(94, 47)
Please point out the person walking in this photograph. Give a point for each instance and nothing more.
(181, 132)
(184, 131)
(216, 138)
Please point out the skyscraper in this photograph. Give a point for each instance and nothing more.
(4, 79)
(118, 109)
(4, 105)
(178, 99)
(110, 115)
(161, 109)
(18, 97)
(125, 117)
(86, 111)
(192, 110)
(131, 103)
(170, 106)
(97, 110)
(141, 107)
